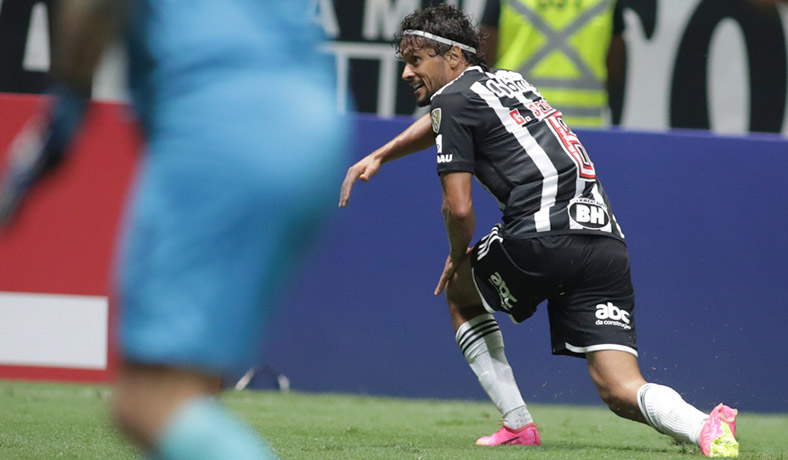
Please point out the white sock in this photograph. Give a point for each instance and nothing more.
(481, 343)
(668, 413)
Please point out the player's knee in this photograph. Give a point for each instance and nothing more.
(134, 408)
(462, 295)
(127, 415)
(458, 302)
(462, 312)
(610, 397)
(620, 397)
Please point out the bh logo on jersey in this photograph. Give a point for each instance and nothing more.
(507, 299)
(585, 213)
(608, 314)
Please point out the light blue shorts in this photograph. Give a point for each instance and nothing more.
(223, 209)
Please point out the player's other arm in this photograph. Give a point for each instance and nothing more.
(415, 138)
(460, 221)
(83, 30)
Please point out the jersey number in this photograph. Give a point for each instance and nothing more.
(572, 146)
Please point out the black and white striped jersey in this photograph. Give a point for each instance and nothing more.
(494, 124)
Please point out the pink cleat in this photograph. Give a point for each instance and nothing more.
(718, 435)
(525, 436)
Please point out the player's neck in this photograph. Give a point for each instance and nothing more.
(457, 71)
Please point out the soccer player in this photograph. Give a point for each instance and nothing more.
(241, 139)
(559, 240)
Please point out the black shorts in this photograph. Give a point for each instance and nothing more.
(584, 278)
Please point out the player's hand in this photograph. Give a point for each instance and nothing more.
(363, 170)
(449, 269)
(38, 149)
(26, 160)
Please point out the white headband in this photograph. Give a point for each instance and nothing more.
(437, 38)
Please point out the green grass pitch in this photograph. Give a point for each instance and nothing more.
(60, 421)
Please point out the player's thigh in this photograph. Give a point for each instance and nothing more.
(597, 311)
(501, 282)
(461, 291)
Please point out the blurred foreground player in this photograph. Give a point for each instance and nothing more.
(559, 240)
(235, 105)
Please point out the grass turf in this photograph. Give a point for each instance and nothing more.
(61, 421)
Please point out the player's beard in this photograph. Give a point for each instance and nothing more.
(425, 101)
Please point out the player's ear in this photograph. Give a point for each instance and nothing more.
(455, 56)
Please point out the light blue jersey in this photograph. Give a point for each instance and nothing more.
(244, 148)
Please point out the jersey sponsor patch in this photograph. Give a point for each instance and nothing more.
(589, 214)
(435, 117)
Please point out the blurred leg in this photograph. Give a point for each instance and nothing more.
(172, 415)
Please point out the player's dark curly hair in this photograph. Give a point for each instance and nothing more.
(445, 21)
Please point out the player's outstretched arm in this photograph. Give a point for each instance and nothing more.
(415, 138)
